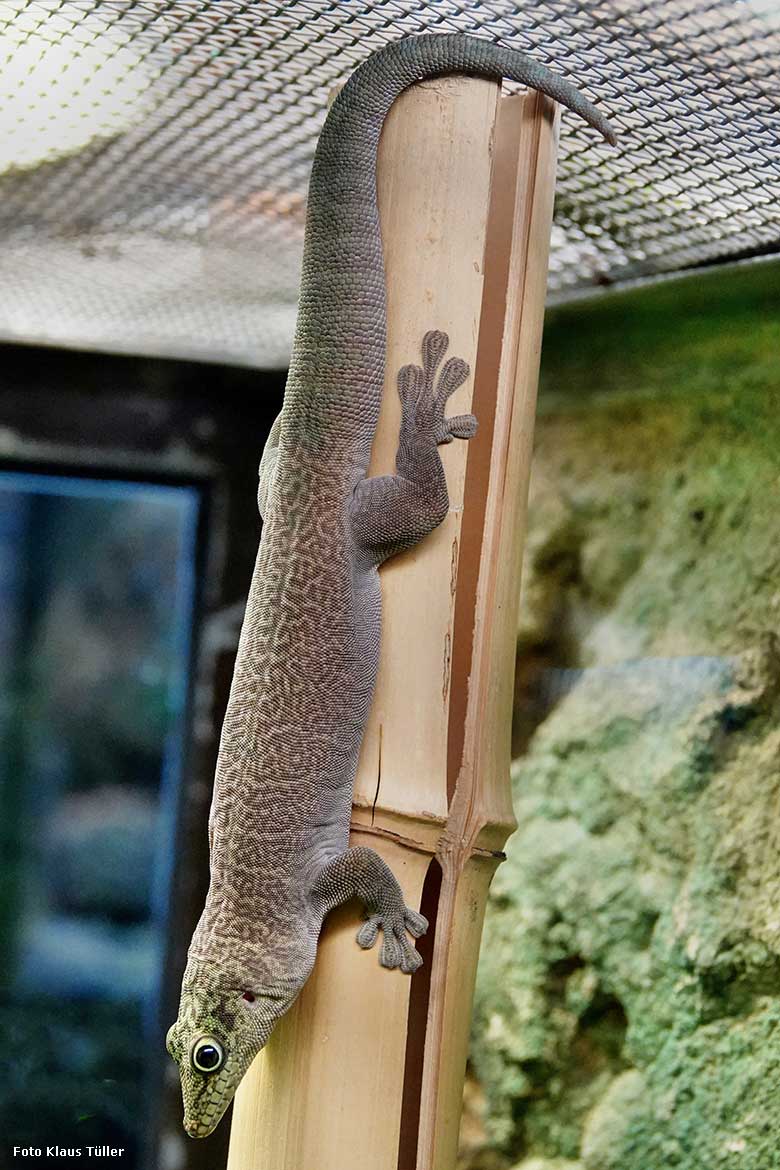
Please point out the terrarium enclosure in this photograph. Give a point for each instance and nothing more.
(156, 153)
(154, 159)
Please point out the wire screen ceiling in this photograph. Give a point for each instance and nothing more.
(154, 157)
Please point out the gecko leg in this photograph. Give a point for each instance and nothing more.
(267, 470)
(391, 513)
(362, 873)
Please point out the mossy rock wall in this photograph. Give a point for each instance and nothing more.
(628, 998)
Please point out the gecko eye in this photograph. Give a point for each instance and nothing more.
(248, 997)
(207, 1055)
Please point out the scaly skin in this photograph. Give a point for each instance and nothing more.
(308, 654)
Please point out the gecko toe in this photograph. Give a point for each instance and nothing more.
(366, 936)
(416, 924)
(411, 381)
(460, 426)
(453, 374)
(392, 952)
(434, 347)
(411, 959)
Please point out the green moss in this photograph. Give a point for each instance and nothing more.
(629, 988)
(709, 1100)
(708, 334)
(548, 1164)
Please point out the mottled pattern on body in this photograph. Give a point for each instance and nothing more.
(309, 648)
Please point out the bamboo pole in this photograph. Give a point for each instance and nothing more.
(480, 814)
(367, 1069)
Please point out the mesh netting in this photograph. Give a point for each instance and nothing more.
(154, 156)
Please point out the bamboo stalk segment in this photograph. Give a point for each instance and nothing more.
(434, 176)
(359, 1074)
(325, 1093)
(480, 817)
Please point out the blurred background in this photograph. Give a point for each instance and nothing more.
(128, 532)
(153, 169)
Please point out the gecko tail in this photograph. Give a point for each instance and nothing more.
(334, 387)
(439, 53)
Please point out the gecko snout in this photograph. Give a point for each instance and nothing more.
(197, 1129)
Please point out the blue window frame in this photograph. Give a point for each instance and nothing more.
(97, 608)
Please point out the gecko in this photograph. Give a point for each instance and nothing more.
(308, 651)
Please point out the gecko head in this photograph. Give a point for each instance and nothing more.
(223, 1023)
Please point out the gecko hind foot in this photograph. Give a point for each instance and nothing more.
(426, 404)
(397, 951)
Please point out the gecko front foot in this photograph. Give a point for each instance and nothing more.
(362, 873)
(396, 950)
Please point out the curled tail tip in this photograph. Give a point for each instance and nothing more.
(607, 132)
(589, 113)
(570, 96)
(593, 117)
(453, 52)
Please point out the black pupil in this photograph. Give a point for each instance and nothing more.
(208, 1056)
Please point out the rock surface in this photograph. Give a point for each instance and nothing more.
(628, 999)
